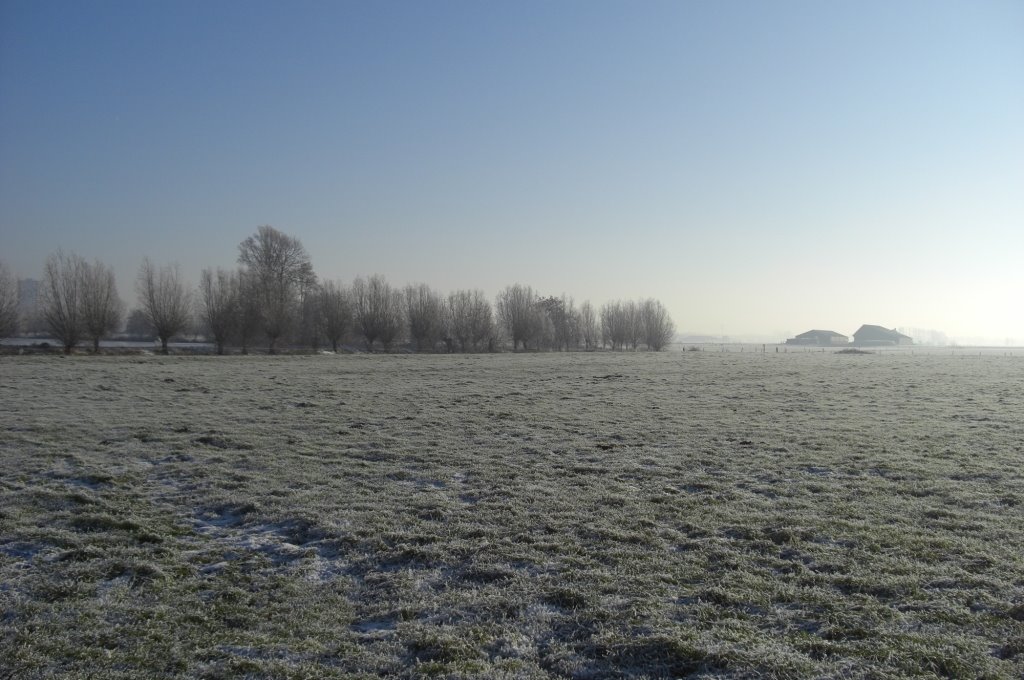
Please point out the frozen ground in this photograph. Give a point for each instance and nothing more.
(518, 516)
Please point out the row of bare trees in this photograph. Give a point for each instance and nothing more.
(275, 292)
(632, 324)
(274, 297)
(370, 311)
(539, 322)
(78, 300)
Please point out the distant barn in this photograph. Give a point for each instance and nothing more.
(818, 338)
(879, 336)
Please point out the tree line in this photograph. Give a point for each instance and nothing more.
(274, 298)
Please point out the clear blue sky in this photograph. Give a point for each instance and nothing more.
(762, 168)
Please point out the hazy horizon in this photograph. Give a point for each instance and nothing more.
(762, 170)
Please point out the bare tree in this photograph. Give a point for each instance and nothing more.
(468, 320)
(60, 297)
(482, 331)
(544, 333)
(8, 302)
(517, 308)
(364, 312)
(635, 324)
(606, 326)
(283, 276)
(250, 316)
(589, 330)
(393, 319)
(573, 325)
(657, 324)
(562, 323)
(458, 329)
(102, 309)
(423, 309)
(277, 317)
(615, 324)
(335, 312)
(164, 300)
(276, 257)
(630, 323)
(310, 326)
(378, 310)
(220, 296)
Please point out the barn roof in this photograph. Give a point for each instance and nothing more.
(816, 333)
(879, 331)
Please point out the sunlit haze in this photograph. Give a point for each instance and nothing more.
(761, 168)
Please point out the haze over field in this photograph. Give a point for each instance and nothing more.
(762, 170)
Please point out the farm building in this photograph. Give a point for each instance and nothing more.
(876, 336)
(819, 339)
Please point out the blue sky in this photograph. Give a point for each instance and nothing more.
(762, 168)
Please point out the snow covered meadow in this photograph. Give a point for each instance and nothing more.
(583, 515)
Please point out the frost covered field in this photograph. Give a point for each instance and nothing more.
(518, 516)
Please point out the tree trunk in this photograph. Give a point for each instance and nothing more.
(334, 346)
(163, 346)
(220, 348)
(95, 345)
(67, 348)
